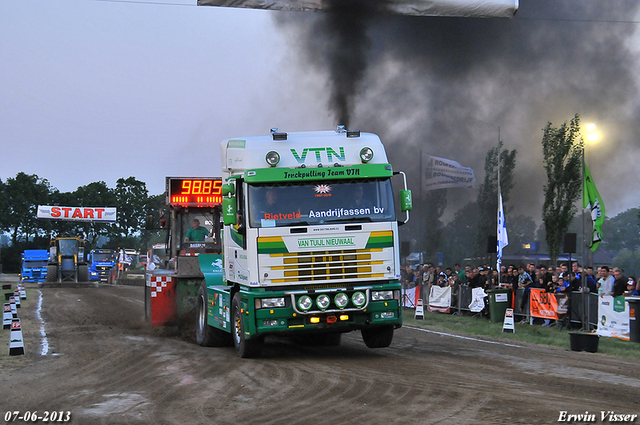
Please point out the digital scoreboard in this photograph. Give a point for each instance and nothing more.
(194, 191)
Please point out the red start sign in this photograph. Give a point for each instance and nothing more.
(93, 214)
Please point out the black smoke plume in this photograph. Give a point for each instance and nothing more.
(448, 86)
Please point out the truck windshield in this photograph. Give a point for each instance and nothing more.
(35, 264)
(339, 201)
(97, 257)
(68, 247)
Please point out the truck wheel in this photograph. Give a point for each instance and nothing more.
(52, 273)
(208, 336)
(378, 337)
(246, 348)
(83, 273)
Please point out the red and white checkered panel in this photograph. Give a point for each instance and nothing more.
(158, 283)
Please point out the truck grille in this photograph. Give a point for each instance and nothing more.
(326, 265)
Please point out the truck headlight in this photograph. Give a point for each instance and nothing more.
(305, 302)
(358, 299)
(323, 302)
(341, 300)
(271, 302)
(272, 158)
(366, 154)
(381, 295)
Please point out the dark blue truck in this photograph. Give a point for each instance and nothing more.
(34, 265)
(100, 262)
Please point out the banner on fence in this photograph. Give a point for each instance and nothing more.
(410, 297)
(477, 300)
(440, 299)
(613, 317)
(543, 304)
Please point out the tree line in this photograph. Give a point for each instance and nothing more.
(21, 195)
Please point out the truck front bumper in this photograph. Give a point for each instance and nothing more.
(381, 307)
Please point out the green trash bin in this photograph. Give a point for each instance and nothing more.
(499, 302)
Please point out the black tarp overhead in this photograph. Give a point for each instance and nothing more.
(458, 8)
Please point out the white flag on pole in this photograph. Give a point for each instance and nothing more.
(503, 239)
(441, 173)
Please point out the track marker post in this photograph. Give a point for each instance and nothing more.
(508, 325)
(16, 344)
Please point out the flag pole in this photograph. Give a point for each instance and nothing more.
(498, 253)
(422, 238)
(583, 275)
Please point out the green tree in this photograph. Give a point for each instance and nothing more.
(4, 208)
(562, 149)
(488, 194)
(22, 195)
(96, 194)
(131, 198)
(622, 232)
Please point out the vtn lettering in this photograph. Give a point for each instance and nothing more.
(329, 152)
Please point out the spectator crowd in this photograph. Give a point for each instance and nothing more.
(604, 281)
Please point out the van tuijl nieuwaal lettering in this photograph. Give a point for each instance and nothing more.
(604, 416)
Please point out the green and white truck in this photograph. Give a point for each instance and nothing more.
(303, 244)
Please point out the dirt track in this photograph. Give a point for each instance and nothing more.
(105, 365)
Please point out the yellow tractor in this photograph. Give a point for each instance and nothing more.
(67, 263)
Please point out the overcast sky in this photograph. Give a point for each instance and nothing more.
(94, 90)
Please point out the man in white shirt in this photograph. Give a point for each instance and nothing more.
(606, 282)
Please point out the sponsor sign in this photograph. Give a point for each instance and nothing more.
(508, 324)
(89, 214)
(612, 321)
(543, 304)
(419, 310)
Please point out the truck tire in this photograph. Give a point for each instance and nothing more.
(206, 335)
(52, 273)
(246, 348)
(378, 337)
(83, 273)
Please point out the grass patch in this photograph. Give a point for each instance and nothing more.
(536, 334)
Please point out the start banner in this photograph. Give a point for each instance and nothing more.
(90, 214)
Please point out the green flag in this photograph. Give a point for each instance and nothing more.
(591, 198)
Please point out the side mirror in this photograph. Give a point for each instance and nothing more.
(406, 202)
(229, 212)
(228, 189)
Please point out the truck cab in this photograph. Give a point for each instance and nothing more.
(34, 265)
(100, 262)
(310, 241)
